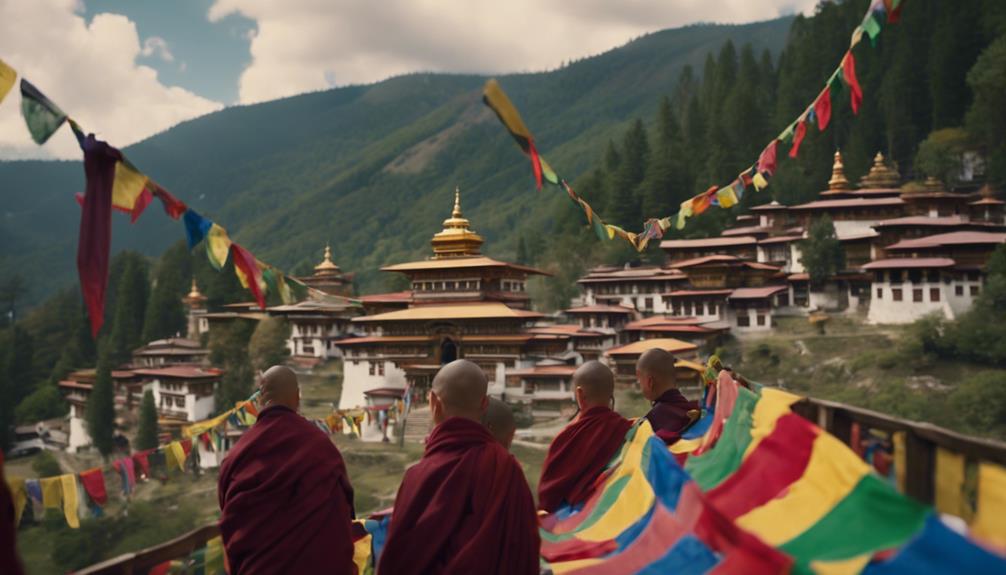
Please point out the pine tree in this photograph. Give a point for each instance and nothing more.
(661, 189)
(131, 303)
(267, 346)
(100, 409)
(625, 206)
(165, 315)
(822, 253)
(522, 257)
(146, 437)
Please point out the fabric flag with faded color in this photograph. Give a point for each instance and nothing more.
(7, 78)
(42, 116)
(494, 97)
(174, 207)
(93, 481)
(196, 227)
(822, 109)
(727, 197)
(218, 245)
(767, 159)
(798, 135)
(248, 272)
(95, 239)
(128, 189)
(849, 76)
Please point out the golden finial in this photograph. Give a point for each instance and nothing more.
(881, 175)
(457, 203)
(456, 239)
(838, 180)
(194, 296)
(326, 265)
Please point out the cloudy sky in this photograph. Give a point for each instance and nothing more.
(128, 69)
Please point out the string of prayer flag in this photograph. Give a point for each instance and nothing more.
(725, 197)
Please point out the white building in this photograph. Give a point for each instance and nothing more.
(182, 393)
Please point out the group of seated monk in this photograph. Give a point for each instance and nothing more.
(465, 507)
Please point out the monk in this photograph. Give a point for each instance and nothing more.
(9, 562)
(465, 507)
(582, 450)
(500, 423)
(286, 501)
(671, 413)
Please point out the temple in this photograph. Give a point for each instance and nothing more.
(462, 304)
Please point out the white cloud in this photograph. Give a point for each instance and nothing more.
(88, 70)
(158, 47)
(302, 45)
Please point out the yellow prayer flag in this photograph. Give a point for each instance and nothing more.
(69, 486)
(174, 453)
(726, 197)
(284, 290)
(497, 99)
(7, 77)
(17, 491)
(52, 492)
(760, 183)
(990, 517)
(127, 187)
(665, 223)
(218, 245)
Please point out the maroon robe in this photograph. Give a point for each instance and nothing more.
(464, 508)
(578, 455)
(669, 415)
(9, 563)
(286, 499)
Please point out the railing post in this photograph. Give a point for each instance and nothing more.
(841, 426)
(920, 467)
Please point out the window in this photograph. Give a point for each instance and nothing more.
(371, 367)
(896, 294)
(934, 294)
(380, 369)
(743, 320)
(761, 319)
(648, 303)
(180, 401)
(917, 295)
(958, 290)
(880, 293)
(974, 290)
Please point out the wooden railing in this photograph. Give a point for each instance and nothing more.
(140, 562)
(921, 441)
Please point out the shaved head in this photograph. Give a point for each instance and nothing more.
(595, 384)
(459, 388)
(279, 387)
(499, 421)
(655, 372)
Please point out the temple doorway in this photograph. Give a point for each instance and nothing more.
(448, 351)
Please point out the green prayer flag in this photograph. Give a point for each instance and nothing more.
(787, 134)
(599, 229)
(41, 115)
(872, 28)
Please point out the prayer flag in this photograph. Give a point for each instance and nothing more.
(738, 188)
(497, 100)
(767, 159)
(822, 108)
(95, 239)
(248, 272)
(701, 202)
(727, 197)
(849, 74)
(665, 223)
(176, 455)
(218, 245)
(872, 27)
(174, 207)
(7, 77)
(196, 227)
(93, 481)
(127, 187)
(760, 183)
(798, 134)
(68, 483)
(893, 10)
(146, 196)
(41, 115)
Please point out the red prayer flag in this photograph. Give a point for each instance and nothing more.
(849, 73)
(798, 134)
(141, 204)
(767, 159)
(535, 163)
(701, 202)
(140, 457)
(893, 10)
(822, 109)
(187, 445)
(93, 481)
(244, 261)
(172, 205)
(96, 227)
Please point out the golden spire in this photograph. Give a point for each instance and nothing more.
(194, 297)
(881, 175)
(838, 180)
(456, 239)
(327, 266)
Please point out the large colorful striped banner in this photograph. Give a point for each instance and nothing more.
(761, 490)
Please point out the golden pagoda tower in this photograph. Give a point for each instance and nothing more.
(881, 175)
(456, 239)
(327, 267)
(195, 304)
(838, 180)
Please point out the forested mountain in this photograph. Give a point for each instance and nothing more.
(370, 169)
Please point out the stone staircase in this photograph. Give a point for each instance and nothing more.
(418, 424)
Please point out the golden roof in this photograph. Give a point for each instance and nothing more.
(668, 344)
(194, 296)
(453, 311)
(881, 175)
(838, 180)
(459, 263)
(327, 266)
(456, 239)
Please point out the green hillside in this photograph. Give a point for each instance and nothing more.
(370, 169)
